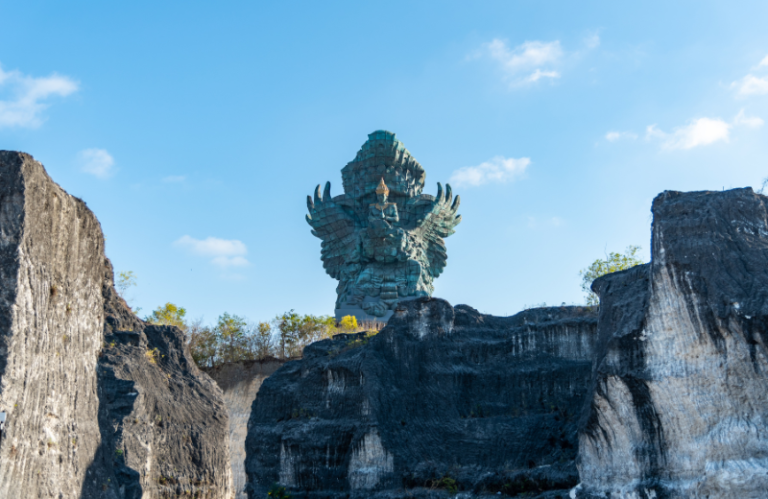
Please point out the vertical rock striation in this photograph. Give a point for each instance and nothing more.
(439, 395)
(51, 320)
(98, 403)
(679, 405)
(240, 382)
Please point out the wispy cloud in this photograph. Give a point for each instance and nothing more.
(526, 63)
(701, 131)
(751, 84)
(25, 96)
(750, 121)
(224, 253)
(174, 179)
(614, 136)
(498, 170)
(97, 162)
(592, 41)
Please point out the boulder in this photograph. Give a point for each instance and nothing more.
(442, 400)
(679, 398)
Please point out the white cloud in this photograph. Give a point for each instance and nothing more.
(701, 131)
(27, 95)
(97, 162)
(751, 85)
(539, 74)
(528, 57)
(225, 253)
(750, 121)
(764, 62)
(497, 169)
(174, 179)
(614, 136)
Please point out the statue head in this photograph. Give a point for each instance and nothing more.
(382, 191)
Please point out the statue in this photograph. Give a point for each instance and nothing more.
(382, 239)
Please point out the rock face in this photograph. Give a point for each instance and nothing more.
(680, 399)
(439, 395)
(99, 404)
(51, 321)
(240, 382)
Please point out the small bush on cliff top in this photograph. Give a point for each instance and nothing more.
(613, 262)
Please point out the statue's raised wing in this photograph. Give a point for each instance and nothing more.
(433, 220)
(336, 227)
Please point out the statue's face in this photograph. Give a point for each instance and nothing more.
(382, 197)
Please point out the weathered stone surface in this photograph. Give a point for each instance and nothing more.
(383, 239)
(163, 422)
(89, 414)
(439, 393)
(51, 320)
(680, 398)
(240, 382)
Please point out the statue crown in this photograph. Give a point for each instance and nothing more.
(382, 187)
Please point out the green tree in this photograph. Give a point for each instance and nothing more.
(231, 332)
(124, 281)
(262, 340)
(168, 315)
(348, 324)
(613, 262)
(202, 343)
(297, 331)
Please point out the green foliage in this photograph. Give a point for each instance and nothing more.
(348, 324)
(168, 315)
(613, 262)
(448, 484)
(297, 331)
(124, 281)
(277, 491)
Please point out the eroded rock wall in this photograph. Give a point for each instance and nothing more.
(99, 404)
(51, 319)
(240, 382)
(440, 394)
(680, 399)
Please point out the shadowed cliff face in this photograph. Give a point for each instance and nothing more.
(440, 393)
(89, 413)
(680, 400)
(240, 382)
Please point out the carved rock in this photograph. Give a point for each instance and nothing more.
(89, 413)
(680, 390)
(440, 392)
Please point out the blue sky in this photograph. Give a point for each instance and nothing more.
(195, 130)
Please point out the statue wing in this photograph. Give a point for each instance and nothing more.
(335, 227)
(435, 219)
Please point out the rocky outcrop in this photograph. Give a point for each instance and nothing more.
(98, 403)
(51, 322)
(240, 382)
(680, 400)
(441, 398)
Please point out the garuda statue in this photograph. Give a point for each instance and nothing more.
(382, 238)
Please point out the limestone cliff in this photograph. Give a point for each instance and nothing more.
(439, 395)
(240, 382)
(680, 383)
(98, 403)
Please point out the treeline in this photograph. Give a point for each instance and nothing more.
(234, 338)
